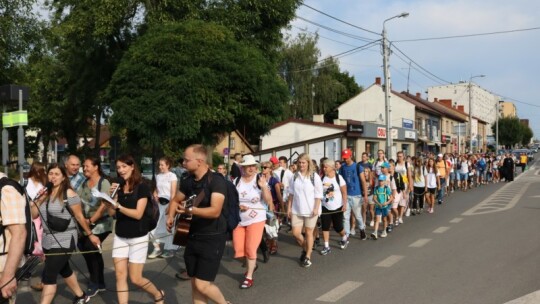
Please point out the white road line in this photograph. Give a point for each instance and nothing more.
(339, 292)
(420, 243)
(390, 261)
(532, 298)
(441, 230)
(456, 220)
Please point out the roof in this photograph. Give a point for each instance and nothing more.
(419, 103)
(308, 122)
(440, 107)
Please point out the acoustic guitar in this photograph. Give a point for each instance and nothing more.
(183, 222)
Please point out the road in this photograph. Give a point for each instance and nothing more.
(480, 246)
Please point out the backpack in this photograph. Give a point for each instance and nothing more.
(482, 163)
(151, 211)
(312, 177)
(337, 178)
(400, 185)
(31, 234)
(231, 205)
(377, 192)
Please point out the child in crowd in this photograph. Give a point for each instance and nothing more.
(382, 195)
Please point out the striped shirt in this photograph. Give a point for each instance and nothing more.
(12, 210)
(77, 181)
(59, 239)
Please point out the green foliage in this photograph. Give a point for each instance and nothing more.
(191, 81)
(527, 135)
(512, 132)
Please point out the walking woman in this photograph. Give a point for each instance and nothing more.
(59, 210)
(304, 206)
(131, 231)
(37, 178)
(419, 186)
(97, 217)
(333, 205)
(247, 235)
(166, 182)
(432, 182)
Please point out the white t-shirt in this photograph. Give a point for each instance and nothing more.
(377, 167)
(464, 167)
(251, 196)
(304, 193)
(391, 182)
(33, 189)
(286, 179)
(334, 199)
(164, 183)
(431, 179)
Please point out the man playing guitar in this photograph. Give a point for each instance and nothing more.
(207, 233)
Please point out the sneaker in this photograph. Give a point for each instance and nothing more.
(82, 299)
(246, 283)
(439, 202)
(92, 290)
(421, 211)
(326, 250)
(167, 254)
(353, 232)
(383, 234)
(389, 228)
(408, 212)
(102, 287)
(372, 223)
(396, 223)
(155, 253)
(400, 220)
(343, 244)
(363, 235)
(431, 210)
(302, 256)
(374, 236)
(413, 212)
(306, 263)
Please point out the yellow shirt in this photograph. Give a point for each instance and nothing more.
(441, 168)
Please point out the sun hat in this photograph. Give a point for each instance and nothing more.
(249, 160)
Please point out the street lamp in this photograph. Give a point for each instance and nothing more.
(387, 86)
(470, 111)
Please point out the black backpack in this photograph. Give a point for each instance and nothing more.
(400, 185)
(31, 235)
(151, 211)
(231, 206)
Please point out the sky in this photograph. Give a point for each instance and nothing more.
(509, 61)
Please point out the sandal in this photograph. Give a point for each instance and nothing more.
(273, 249)
(247, 283)
(162, 297)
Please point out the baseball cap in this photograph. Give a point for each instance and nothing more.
(440, 155)
(274, 160)
(385, 165)
(382, 177)
(346, 153)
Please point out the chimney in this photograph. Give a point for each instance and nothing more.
(318, 118)
(446, 102)
(461, 108)
(418, 95)
(378, 80)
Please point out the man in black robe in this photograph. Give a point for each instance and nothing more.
(508, 168)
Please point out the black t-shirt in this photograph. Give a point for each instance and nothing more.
(205, 226)
(126, 226)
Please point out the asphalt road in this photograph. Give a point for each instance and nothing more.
(481, 246)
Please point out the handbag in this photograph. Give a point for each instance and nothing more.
(56, 223)
(163, 201)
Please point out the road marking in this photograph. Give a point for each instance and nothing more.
(339, 292)
(497, 201)
(531, 298)
(441, 230)
(390, 261)
(456, 220)
(420, 243)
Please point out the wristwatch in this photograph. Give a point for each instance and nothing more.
(190, 210)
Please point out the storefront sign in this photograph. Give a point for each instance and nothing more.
(410, 134)
(355, 129)
(381, 132)
(407, 123)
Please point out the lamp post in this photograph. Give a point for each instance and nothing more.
(470, 111)
(387, 86)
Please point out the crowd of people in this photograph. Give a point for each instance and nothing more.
(302, 195)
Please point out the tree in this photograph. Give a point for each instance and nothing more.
(527, 134)
(189, 82)
(510, 131)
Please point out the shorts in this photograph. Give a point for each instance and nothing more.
(400, 200)
(370, 200)
(432, 191)
(463, 176)
(57, 264)
(452, 176)
(381, 211)
(203, 255)
(332, 217)
(306, 221)
(135, 249)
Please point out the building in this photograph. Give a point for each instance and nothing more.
(484, 103)
(507, 109)
(231, 143)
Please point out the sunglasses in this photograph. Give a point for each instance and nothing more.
(266, 167)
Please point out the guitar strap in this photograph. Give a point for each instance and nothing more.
(200, 197)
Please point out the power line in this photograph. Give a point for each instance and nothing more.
(469, 35)
(428, 76)
(364, 39)
(315, 33)
(395, 47)
(342, 21)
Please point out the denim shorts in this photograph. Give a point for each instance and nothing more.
(381, 211)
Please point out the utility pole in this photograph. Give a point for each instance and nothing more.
(470, 112)
(387, 84)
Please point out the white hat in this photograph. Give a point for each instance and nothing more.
(440, 155)
(249, 160)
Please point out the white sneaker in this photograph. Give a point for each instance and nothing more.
(400, 220)
(408, 212)
(372, 223)
(383, 235)
(155, 253)
(353, 232)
